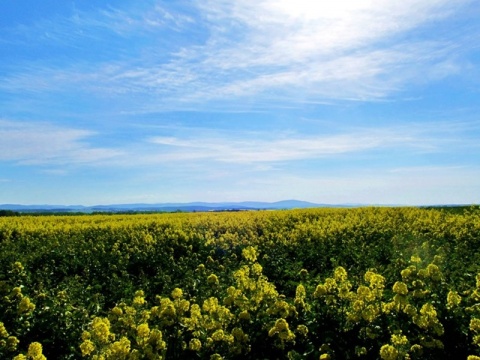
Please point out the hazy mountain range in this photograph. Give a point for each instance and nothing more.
(170, 207)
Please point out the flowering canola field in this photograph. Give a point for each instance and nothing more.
(367, 283)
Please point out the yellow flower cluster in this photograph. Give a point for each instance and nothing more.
(475, 328)
(8, 342)
(300, 296)
(453, 300)
(389, 352)
(100, 342)
(282, 331)
(35, 352)
(249, 253)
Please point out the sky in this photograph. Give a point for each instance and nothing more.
(333, 102)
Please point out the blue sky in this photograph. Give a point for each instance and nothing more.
(372, 102)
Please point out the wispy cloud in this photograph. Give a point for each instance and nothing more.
(97, 24)
(273, 150)
(30, 143)
(273, 51)
(270, 148)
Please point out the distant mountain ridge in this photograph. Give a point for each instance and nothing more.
(170, 207)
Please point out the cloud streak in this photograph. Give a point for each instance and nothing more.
(45, 144)
(28, 143)
(249, 148)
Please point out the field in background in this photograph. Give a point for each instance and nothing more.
(320, 283)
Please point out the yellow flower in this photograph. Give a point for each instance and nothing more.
(244, 315)
(423, 273)
(195, 345)
(117, 311)
(139, 298)
(257, 269)
(453, 299)
(3, 331)
(17, 292)
(35, 351)
(18, 267)
(168, 312)
(143, 331)
(12, 343)
(320, 291)
(101, 329)
(300, 292)
(281, 329)
(417, 349)
(218, 335)
(210, 304)
(410, 310)
(302, 329)
(475, 325)
(87, 347)
(249, 253)
(25, 306)
(182, 305)
(365, 293)
(156, 339)
(119, 349)
(239, 335)
(281, 324)
(177, 293)
(300, 295)
(212, 279)
(330, 284)
(400, 288)
(388, 352)
(358, 305)
(340, 274)
(201, 268)
(433, 271)
(398, 339)
(370, 313)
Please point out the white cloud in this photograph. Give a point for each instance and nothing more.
(270, 148)
(339, 50)
(195, 148)
(31, 143)
(129, 21)
(283, 32)
(266, 50)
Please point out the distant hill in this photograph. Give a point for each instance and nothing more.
(169, 207)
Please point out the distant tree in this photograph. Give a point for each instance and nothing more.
(9, 213)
